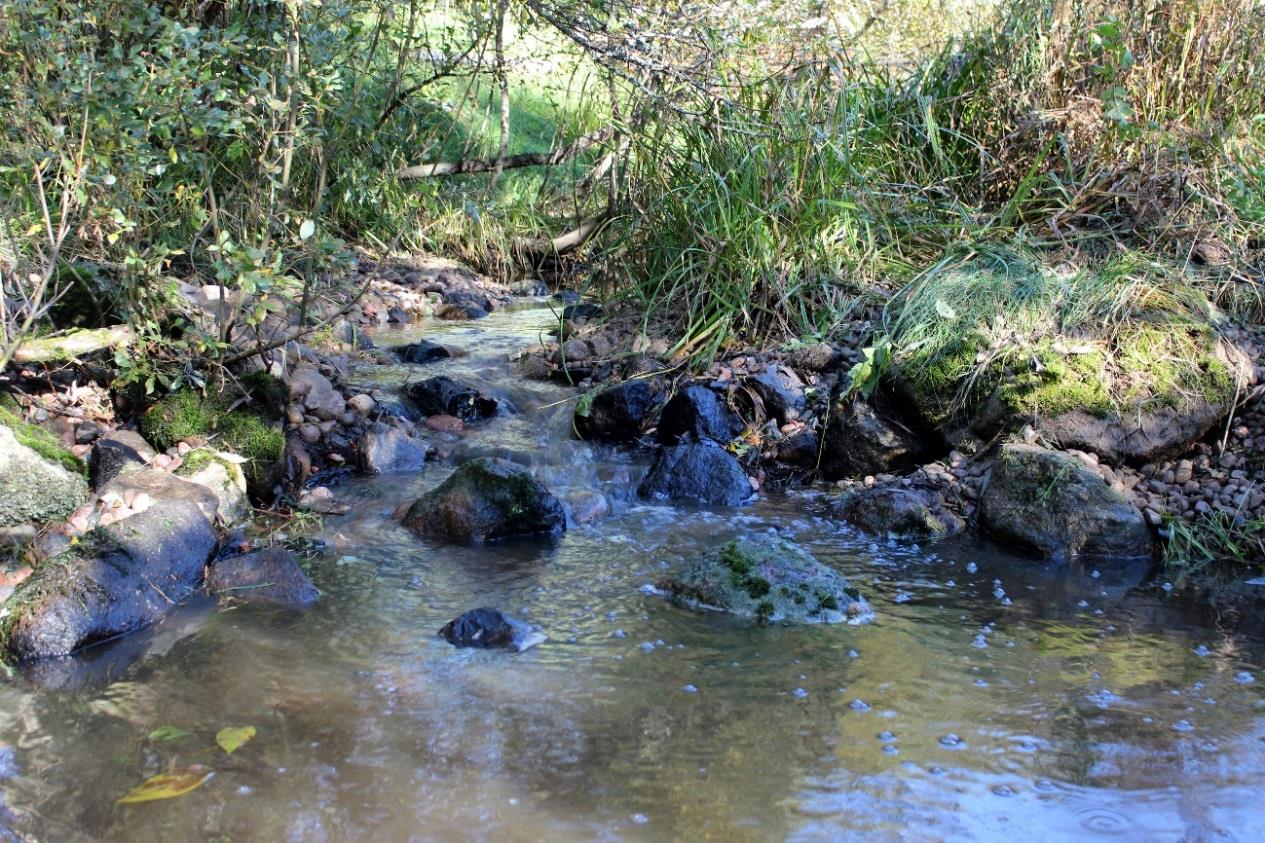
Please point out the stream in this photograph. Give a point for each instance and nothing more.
(992, 698)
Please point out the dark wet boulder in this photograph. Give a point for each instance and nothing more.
(33, 489)
(861, 441)
(422, 351)
(117, 579)
(487, 499)
(1054, 505)
(618, 414)
(768, 582)
(697, 413)
(902, 513)
(488, 628)
(464, 305)
(801, 448)
(781, 391)
(115, 453)
(443, 396)
(702, 473)
(581, 312)
(383, 449)
(271, 576)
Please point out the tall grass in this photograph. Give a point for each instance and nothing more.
(1073, 126)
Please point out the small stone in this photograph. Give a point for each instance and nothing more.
(362, 404)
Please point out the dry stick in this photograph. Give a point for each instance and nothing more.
(485, 165)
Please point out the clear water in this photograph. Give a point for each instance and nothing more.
(992, 699)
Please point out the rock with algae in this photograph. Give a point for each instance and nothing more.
(768, 582)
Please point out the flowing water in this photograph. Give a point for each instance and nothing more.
(991, 699)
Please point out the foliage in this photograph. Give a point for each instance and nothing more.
(1216, 543)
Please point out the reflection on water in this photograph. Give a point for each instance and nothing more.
(991, 699)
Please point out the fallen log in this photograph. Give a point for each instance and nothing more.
(487, 165)
(73, 344)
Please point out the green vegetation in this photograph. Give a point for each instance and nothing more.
(242, 430)
(40, 440)
(1217, 545)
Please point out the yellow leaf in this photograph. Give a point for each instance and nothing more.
(232, 738)
(168, 785)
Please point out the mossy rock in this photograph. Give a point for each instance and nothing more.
(33, 489)
(1147, 393)
(767, 582)
(487, 499)
(245, 431)
(1054, 505)
(41, 441)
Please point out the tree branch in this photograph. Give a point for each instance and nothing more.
(487, 165)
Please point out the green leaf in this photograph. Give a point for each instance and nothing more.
(307, 229)
(945, 310)
(167, 785)
(168, 733)
(232, 738)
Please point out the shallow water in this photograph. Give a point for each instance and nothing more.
(991, 699)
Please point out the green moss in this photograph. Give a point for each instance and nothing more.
(1059, 382)
(269, 395)
(41, 441)
(241, 430)
(1172, 365)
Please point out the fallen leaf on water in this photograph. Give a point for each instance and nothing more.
(232, 738)
(168, 733)
(168, 785)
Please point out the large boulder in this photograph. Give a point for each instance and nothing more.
(767, 582)
(422, 351)
(487, 499)
(702, 473)
(618, 414)
(488, 628)
(389, 450)
(1054, 505)
(859, 441)
(117, 579)
(271, 576)
(443, 396)
(160, 488)
(115, 453)
(1147, 393)
(34, 490)
(902, 513)
(697, 413)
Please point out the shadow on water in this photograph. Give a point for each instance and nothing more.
(992, 698)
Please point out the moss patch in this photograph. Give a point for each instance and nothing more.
(39, 440)
(242, 430)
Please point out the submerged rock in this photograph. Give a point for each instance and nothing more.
(116, 452)
(271, 576)
(33, 489)
(117, 579)
(904, 513)
(767, 581)
(1054, 505)
(860, 441)
(443, 396)
(389, 450)
(698, 413)
(487, 499)
(618, 414)
(488, 628)
(701, 473)
(422, 351)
